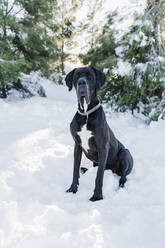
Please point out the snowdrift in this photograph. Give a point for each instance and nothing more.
(36, 159)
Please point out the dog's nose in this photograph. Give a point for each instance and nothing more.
(82, 93)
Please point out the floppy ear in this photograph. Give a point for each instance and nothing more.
(100, 78)
(69, 79)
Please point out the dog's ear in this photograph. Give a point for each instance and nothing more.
(100, 78)
(69, 79)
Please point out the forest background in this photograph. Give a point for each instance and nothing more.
(54, 36)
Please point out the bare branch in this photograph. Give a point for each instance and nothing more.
(7, 7)
(11, 7)
(18, 11)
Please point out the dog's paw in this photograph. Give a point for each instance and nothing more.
(122, 181)
(121, 185)
(73, 189)
(96, 197)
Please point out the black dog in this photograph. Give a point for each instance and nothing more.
(104, 149)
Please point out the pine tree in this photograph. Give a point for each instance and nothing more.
(91, 25)
(35, 39)
(140, 51)
(102, 55)
(64, 20)
(135, 64)
(102, 52)
(25, 40)
(10, 62)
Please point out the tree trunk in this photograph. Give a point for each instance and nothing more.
(62, 58)
(156, 26)
(149, 4)
(153, 6)
(162, 30)
(62, 43)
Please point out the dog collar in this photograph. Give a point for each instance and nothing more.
(90, 111)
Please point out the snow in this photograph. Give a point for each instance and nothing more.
(119, 50)
(36, 157)
(123, 67)
(32, 85)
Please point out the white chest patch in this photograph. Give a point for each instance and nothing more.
(85, 135)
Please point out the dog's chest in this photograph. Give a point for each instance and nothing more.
(85, 135)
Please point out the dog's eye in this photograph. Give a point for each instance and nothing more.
(77, 75)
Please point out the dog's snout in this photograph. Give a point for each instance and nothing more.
(82, 86)
(83, 91)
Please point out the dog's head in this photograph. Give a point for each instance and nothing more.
(87, 81)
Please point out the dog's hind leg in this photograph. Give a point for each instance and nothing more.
(123, 178)
(126, 165)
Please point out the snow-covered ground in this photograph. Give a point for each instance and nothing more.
(36, 157)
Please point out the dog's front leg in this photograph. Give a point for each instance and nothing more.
(77, 157)
(76, 170)
(103, 154)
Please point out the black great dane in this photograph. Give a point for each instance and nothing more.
(105, 150)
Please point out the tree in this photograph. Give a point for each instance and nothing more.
(140, 52)
(102, 55)
(91, 26)
(135, 64)
(155, 9)
(102, 52)
(64, 20)
(26, 42)
(10, 62)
